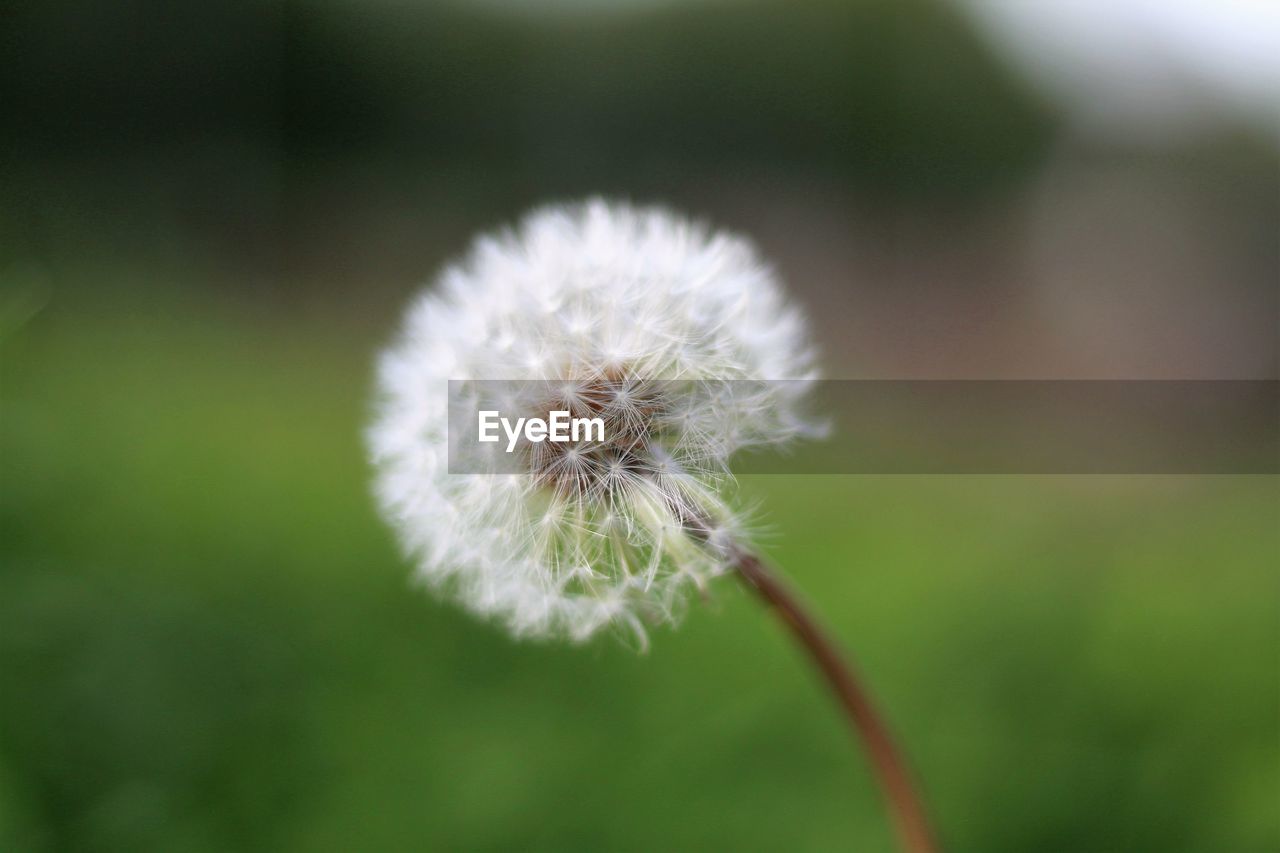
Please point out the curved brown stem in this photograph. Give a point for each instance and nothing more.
(891, 771)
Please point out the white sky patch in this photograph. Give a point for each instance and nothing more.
(1145, 66)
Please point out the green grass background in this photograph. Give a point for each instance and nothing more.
(209, 642)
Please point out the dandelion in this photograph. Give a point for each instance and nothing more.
(681, 344)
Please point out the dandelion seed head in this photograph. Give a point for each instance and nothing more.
(637, 317)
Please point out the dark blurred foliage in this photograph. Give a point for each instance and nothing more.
(245, 127)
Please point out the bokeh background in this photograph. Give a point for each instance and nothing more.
(211, 215)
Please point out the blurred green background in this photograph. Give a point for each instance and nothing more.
(210, 218)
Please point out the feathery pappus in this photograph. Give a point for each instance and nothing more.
(677, 338)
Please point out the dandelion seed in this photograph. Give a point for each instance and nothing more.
(664, 331)
(610, 306)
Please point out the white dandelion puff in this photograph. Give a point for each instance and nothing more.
(652, 323)
(680, 342)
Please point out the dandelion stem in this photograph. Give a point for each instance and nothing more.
(891, 770)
